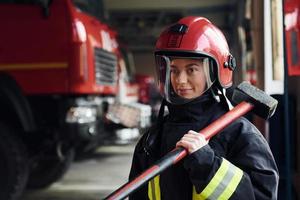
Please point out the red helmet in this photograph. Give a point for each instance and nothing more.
(198, 37)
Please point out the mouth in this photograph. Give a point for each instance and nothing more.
(184, 91)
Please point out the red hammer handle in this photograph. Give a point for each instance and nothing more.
(178, 153)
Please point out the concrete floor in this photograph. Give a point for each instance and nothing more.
(91, 178)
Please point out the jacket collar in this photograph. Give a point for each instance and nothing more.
(193, 111)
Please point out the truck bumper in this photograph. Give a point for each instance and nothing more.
(83, 124)
(83, 131)
(131, 115)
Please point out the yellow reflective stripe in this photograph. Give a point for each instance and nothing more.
(28, 66)
(221, 187)
(232, 185)
(216, 180)
(197, 196)
(154, 189)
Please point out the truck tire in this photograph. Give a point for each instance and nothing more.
(48, 171)
(13, 164)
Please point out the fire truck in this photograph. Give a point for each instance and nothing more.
(59, 75)
(291, 15)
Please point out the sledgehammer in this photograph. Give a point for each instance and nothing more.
(246, 97)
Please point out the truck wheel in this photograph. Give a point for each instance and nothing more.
(49, 170)
(13, 164)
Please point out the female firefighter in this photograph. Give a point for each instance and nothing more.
(195, 68)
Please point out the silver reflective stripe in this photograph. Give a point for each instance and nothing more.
(223, 184)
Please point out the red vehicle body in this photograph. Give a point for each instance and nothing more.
(59, 69)
(145, 82)
(57, 51)
(292, 35)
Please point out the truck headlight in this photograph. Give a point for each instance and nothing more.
(81, 115)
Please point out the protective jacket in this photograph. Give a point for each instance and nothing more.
(236, 164)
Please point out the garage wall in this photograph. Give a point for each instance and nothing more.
(144, 63)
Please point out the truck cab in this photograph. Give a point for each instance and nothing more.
(58, 74)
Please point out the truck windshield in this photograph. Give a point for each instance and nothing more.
(91, 7)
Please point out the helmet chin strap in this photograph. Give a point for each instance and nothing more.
(161, 111)
(230, 106)
(220, 96)
(214, 92)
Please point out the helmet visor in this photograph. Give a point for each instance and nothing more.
(182, 79)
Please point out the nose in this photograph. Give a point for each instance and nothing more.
(182, 77)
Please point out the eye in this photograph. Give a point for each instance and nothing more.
(192, 69)
(174, 71)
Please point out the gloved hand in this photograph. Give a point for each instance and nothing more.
(192, 141)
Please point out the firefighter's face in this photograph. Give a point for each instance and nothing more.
(188, 77)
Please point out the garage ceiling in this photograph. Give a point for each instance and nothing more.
(139, 22)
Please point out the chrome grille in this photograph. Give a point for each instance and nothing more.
(105, 67)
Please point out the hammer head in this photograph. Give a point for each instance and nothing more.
(264, 105)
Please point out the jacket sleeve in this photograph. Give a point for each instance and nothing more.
(249, 170)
